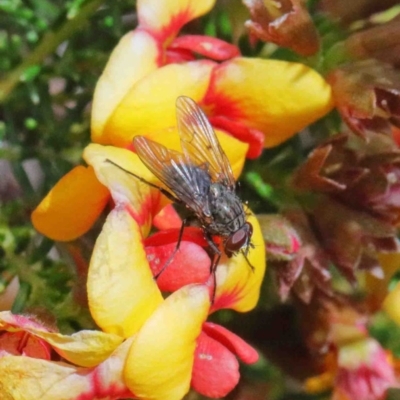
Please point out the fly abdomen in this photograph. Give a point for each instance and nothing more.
(227, 210)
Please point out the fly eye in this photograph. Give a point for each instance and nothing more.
(238, 239)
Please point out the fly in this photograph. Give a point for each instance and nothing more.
(200, 178)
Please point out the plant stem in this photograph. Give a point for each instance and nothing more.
(49, 43)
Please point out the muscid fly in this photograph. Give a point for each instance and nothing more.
(201, 179)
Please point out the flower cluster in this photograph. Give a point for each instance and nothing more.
(152, 283)
(356, 365)
(154, 345)
(148, 346)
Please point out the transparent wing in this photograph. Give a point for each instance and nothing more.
(199, 142)
(187, 182)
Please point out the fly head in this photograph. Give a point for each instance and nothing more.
(238, 240)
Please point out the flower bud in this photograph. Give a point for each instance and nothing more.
(286, 23)
(367, 95)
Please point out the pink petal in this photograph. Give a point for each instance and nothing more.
(9, 320)
(234, 343)
(215, 368)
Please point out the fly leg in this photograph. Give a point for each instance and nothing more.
(178, 244)
(162, 190)
(248, 261)
(215, 262)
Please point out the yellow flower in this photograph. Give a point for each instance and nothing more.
(149, 348)
(260, 102)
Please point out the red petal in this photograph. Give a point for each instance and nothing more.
(22, 343)
(210, 47)
(253, 137)
(178, 56)
(234, 343)
(190, 264)
(168, 236)
(215, 368)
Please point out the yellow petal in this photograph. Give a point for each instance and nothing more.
(159, 364)
(320, 383)
(278, 98)
(149, 106)
(234, 149)
(121, 290)
(167, 17)
(72, 206)
(238, 286)
(391, 304)
(377, 288)
(142, 200)
(139, 195)
(84, 348)
(135, 56)
(23, 378)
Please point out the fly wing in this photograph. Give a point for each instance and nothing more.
(199, 142)
(187, 182)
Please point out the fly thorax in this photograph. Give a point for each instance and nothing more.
(226, 208)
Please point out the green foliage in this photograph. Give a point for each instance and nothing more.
(51, 55)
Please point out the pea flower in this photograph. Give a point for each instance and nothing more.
(157, 348)
(96, 365)
(121, 248)
(137, 92)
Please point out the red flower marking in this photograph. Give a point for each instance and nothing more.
(227, 114)
(148, 206)
(253, 137)
(219, 103)
(166, 33)
(227, 299)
